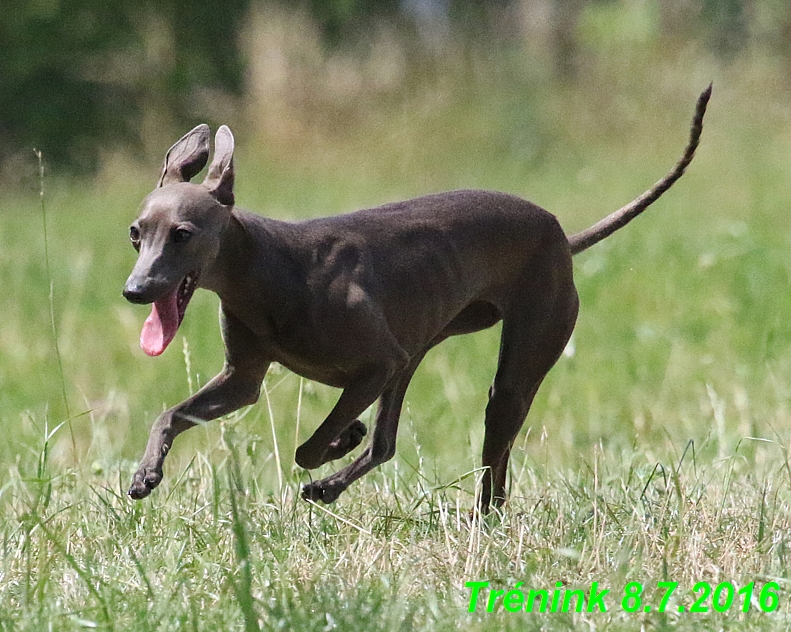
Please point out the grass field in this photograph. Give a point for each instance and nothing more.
(658, 450)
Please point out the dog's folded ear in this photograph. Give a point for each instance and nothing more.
(186, 157)
(219, 179)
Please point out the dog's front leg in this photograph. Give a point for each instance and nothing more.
(227, 392)
(382, 446)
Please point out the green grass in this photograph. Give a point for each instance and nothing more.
(657, 451)
(214, 546)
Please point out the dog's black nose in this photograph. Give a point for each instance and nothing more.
(135, 294)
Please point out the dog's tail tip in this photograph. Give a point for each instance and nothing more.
(703, 99)
(621, 217)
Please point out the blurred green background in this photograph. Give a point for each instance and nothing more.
(579, 106)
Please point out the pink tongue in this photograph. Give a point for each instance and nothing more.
(161, 326)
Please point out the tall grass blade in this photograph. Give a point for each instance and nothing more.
(242, 587)
(274, 439)
(48, 271)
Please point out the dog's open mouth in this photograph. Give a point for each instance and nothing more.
(166, 315)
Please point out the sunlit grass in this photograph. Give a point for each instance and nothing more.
(656, 449)
(398, 550)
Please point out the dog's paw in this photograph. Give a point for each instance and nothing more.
(144, 481)
(347, 441)
(327, 491)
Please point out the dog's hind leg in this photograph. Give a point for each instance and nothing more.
(383, 443)
(537, 323)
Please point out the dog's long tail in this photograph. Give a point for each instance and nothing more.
(621, 217)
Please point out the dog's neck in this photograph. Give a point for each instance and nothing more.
(255, 270)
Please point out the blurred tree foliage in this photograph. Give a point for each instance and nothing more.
(77, 76)
(48, 100)
(81, 75)
(340, 19)
(344, 20)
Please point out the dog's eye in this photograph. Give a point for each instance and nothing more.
(181, 235)
(134, 237)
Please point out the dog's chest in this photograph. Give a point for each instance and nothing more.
(304, 350)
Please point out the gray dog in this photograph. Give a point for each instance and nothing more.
(356, 301)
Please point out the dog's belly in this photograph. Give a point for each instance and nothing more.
(310, 362)
(475, 317)
(313, 369)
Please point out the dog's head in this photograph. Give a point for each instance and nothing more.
(178, 231)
